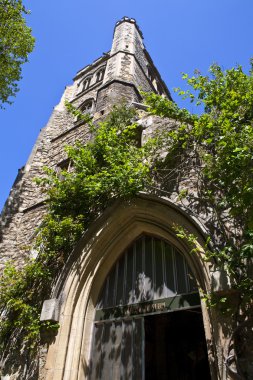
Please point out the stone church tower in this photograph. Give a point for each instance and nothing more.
(118, 74)
(128, 301)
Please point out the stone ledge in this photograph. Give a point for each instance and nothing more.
(38, 204)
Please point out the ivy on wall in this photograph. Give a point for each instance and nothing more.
(217, 147)
(214, 149)
(110, 166)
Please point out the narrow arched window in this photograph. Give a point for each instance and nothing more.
(100, 75)
(64, 167)
(87, 106)
(86, 84)
(160, 89)
(150, 74)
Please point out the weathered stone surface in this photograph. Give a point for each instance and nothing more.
(50, 310)
(220, 282)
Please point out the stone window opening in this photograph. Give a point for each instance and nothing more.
(160, 89)
(150, 74)
(87, 106)
(63, 166)
(153, 79)
(86, 84)
(100, 75)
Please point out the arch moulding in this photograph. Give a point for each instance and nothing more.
(83, 276)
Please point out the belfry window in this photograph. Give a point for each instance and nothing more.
(100, 75)
(148, 319)
(86, 84)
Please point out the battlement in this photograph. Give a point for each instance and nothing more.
(131, 21)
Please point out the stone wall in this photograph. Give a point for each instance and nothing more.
(23, 210)
(125, 73)
(115, 93)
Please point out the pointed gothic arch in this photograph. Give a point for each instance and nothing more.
(99, 249)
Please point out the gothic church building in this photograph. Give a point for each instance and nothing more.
(128, 301)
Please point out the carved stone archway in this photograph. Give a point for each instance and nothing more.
(84, 274)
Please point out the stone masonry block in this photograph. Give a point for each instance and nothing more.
(50, 310)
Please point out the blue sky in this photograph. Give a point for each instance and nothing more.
(180, 35)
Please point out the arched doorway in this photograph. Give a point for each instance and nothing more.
(83, 277)
(148, 321)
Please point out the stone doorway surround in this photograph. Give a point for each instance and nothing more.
(84, 274)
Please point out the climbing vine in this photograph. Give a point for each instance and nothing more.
(215, 149)
(203, 161)
(111, 165)
(212, 152)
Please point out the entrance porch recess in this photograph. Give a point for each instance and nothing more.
(148, 321)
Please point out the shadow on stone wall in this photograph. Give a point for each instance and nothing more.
(21, 362)
(13, 203)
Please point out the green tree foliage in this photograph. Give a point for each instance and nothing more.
(16, 42)
(217, 145)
